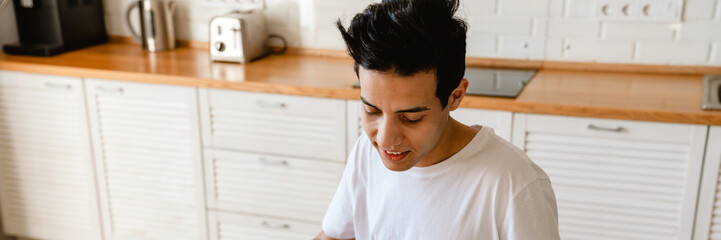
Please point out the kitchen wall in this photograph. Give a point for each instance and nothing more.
(8, 29)
(566, 30)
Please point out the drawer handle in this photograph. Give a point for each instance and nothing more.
(598, 128)
(275, 225)
(59, 86)
(105, 89)
(273, 162)
(270, 104)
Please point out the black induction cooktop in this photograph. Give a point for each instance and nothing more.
(497, 82)
(494, 81)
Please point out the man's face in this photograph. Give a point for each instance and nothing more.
(402, 116)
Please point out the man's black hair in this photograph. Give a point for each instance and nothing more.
(410, 36)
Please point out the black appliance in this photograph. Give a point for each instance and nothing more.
(51, 27)
(497, 82)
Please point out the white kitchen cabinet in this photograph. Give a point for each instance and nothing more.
(617, 179)
(708, 215)
(146, 143)
(284, 187)
(354, 128)
(231, 226)
(499, 121)
(47, 185)
(272, 162)
(274, 124)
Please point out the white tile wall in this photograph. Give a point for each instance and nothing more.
(523, 8)
(521, 47)
(576, 28)
(666, 52)
(638, 31)
(700, 31)
(598, 50)
(500, 25)
(580, 8)
(699, 9)
(715, 56)
(483, 45)
(497, 29)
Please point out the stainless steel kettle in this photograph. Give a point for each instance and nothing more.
(157, 32)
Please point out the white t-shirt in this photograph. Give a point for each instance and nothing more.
(490, 189)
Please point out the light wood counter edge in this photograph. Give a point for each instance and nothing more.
(350, 93)
(501, 104)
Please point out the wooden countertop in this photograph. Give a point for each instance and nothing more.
(632, 96)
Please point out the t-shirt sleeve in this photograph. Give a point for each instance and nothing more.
(338, 220)
(532, 214)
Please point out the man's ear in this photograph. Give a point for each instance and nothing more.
(454, 100)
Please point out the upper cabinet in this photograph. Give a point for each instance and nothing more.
(146, 142)
(708, 215)
(47, 186)
(617, 179)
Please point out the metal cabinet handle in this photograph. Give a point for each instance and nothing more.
(59, 86)
(272, 161)
(598, 128)
(106, 89)
(270, 104)
(275, 225)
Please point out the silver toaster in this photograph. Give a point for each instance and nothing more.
(238, 37)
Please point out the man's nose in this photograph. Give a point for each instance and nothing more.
(389, 134)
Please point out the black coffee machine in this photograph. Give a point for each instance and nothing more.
(51, 27)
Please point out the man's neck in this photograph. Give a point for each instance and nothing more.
(454, 138)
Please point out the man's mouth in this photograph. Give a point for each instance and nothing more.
(394, 156)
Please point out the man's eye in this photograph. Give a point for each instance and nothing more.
(407, 120)
(372, 113)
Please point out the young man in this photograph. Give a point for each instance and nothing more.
(416, 173)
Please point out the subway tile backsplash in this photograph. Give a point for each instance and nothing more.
(562, 30)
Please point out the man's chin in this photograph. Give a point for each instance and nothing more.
(397, 166)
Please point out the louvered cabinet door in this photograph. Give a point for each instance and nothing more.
(283, 187)
(354, 128)
(47, 184)
(274, 124)
(499, 121)
(617, 179)
(147, 149)
(708, 216)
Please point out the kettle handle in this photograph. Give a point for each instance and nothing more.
(3, 3)
(172, 6)
(135, 34)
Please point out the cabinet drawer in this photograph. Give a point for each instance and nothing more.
(240, 226)
(276, 124)
(609, 128)
(276, 186)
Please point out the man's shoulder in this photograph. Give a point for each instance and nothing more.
(497, 160)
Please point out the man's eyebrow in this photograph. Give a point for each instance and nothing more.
(410, 110)
(366, 103)
(413, 110)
